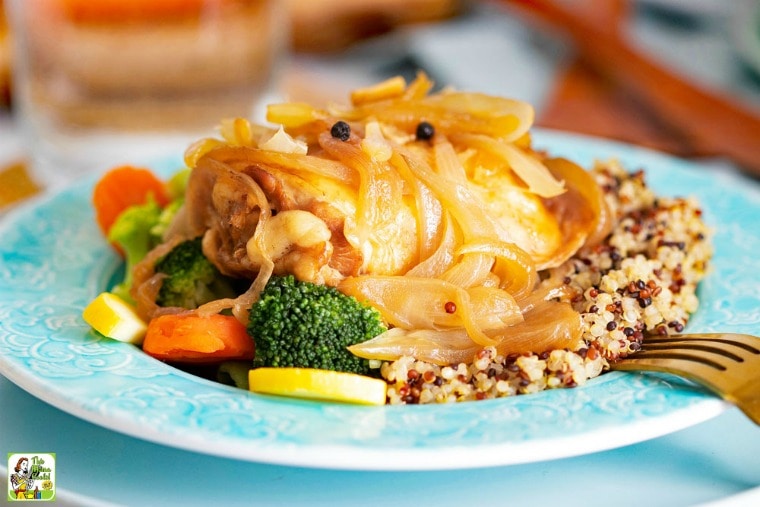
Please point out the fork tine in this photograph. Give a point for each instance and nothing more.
(699, 372)
(727, 364)
(744, 341)
(707, 350)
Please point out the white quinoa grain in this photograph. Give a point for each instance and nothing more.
(642, 279)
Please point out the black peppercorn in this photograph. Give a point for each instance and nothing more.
(425, 131)
(341, 130)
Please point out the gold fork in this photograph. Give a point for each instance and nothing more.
(727, 364)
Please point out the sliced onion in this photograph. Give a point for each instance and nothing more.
(239, 158)
(527, 167)
(241, 132)
(552, 288)
(443, 257)
(456, 198)
(451, 346)
(588, 210)
(408, 302)
(548, 326)
(145, 282)
(241, 305)
(293, 114)
(374, 144)
(199, 148)
(514, 267)
(450, 112)
(468, 285)
(419, 88)
(553, 326)
(390, 88)
(493, 309)
(431, 228)
(427, 303)
(380, 190)
(282, 142)
(472, 269)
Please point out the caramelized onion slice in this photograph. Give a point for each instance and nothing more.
(451, 346)
(426, 303)
(595, 212)
(513, 266)
(471, 270)
(380, 189)
(443, 257)
(432, 223)
(449, 112)
(409, 302)
(468, 212)
(493, 310)
(581, 211)
(146, 283)
(525, 164)
(548, 326)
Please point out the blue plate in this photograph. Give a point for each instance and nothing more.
(54, 261)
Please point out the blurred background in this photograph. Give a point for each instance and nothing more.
(682, 76)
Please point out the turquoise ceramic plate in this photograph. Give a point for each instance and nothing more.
(54, 261)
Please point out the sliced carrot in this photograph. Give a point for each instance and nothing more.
(122, 187)
(191, 338)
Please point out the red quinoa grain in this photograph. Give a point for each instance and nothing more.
(643, 276)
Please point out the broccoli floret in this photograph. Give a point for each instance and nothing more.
(166, 218)
(307, 325)
(140, 227)
(132, 233)
(177, 184)
(192, 279)
(176, 187)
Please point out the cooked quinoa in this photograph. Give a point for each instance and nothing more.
(641, 280)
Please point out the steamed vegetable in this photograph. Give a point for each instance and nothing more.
(306, 325)
(318, 385)
(122, 187)
(191, 338)
(114, 318)
(132, 234)
(190, 278)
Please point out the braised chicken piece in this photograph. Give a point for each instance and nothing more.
(434, 208)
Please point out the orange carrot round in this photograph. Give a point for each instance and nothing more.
(122, 187)
(191, 338)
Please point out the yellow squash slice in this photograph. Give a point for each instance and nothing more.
(114, 318)
(317, 384)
